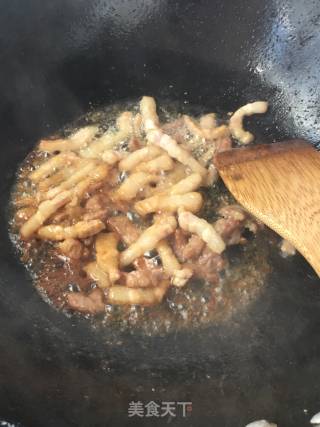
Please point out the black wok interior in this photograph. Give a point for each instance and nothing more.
(58, 60)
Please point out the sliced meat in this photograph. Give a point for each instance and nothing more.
(193, 248)
(101, 214)
(134, 144)
(95, 202)
(143, 263)
(45, 210)
(26, 201)
(107, 254)
(143, 278)
(149, 239)
(67, 214)
(185, 247)
(231, 226)
(79, 230)
(91, 303)
(208, 266)
(235, 220)
(230, 230)
(147, 273)
(98, 206)
(223, 144)
(126, 229)
(97, 274)
(233, 211)
(177, 129)
(113, 178)
(72, 248)
(179, 242)
(23, 214)
(118, 205)
(102, 205)
(122, 295)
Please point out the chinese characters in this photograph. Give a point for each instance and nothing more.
(160, 409)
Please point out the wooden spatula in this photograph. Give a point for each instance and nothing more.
(280, 185)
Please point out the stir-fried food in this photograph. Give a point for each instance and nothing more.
(126, 205)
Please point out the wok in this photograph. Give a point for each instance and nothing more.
(58, 60)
